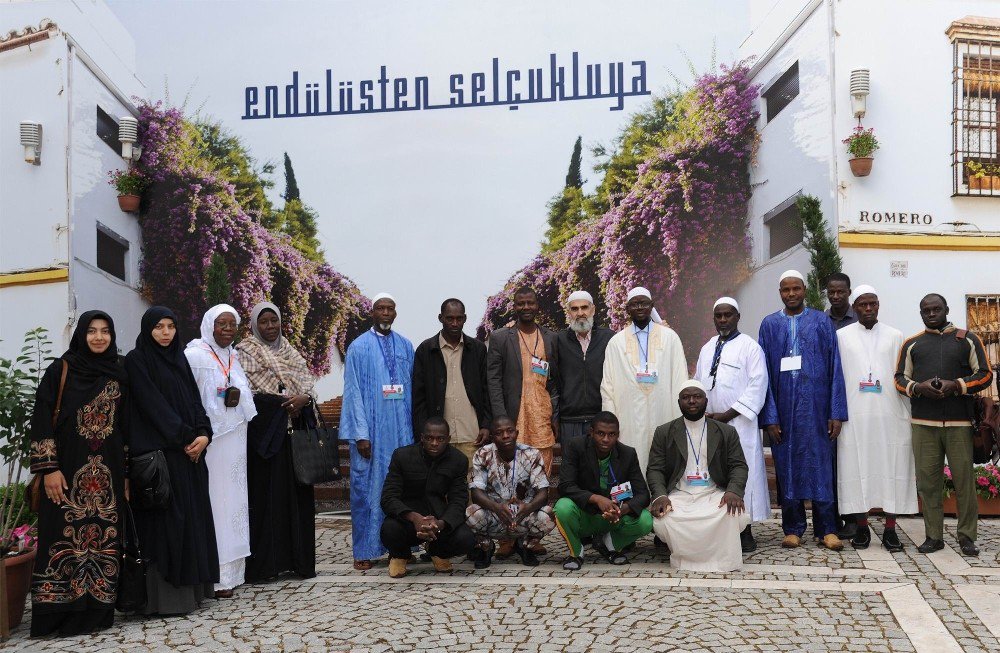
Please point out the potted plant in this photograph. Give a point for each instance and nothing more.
(130, 185)
(983, 176)
(987, 479)
(18, 381)
(861, 144)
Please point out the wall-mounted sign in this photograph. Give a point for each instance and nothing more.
(895, 217)
(899, 269)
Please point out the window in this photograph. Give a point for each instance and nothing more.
(112, 252)
(975, 99)
(784, 227)
(107, 130)
(779, 92)
(983, 318)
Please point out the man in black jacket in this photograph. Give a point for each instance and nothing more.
(939, 370)
(603, 494)
(581, 366)
(449, 381)
(424, 499)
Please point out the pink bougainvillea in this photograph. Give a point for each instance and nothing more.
(189, 213)
(681, 231)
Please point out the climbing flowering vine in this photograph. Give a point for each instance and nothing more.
(191, 212)
(681, 230)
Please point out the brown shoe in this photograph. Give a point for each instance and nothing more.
(223, 594)
(832, 542)
(505, 549)
(536, 547)
(363, 565)
(441, 564)
(397, 567)
(791, 542)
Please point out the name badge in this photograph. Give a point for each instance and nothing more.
(392, 392)
(698, 480)
(514, 508)
(643, 375)
(791, 363)
(538, 366)
(622, 491)
(220, 392)
(874, 387)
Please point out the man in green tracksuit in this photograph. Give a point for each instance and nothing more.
(939, 370)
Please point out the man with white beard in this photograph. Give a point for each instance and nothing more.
(581, 366)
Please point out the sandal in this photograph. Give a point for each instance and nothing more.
(363, 565)
(572, 563)
(613, 557)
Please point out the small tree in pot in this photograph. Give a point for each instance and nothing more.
(861, 144)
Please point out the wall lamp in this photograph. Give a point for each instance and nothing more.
(128, 134)
(860, 88)
(31, 139)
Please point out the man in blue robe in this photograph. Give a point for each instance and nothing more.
(805, 406)
(375, 420)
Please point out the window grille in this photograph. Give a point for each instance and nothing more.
(983, 318)
(976, 100)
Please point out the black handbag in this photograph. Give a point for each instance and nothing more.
(132, 576)
(315, 458)
(150, 480)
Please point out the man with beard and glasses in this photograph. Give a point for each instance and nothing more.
(731, 367)
(375, 420)
(697, 473)
(581, 366)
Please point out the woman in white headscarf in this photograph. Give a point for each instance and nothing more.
(228, 401)
(282, 512)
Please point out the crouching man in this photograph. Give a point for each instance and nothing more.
(698, 474)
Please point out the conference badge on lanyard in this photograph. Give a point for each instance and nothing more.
(539, 366)
(791, 363)
(392, 391)
(874, 387)
(645, 375)
(622, 492)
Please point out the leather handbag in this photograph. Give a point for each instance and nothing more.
(315, 458)
(132, 576)
(35, 490)
(150, 480)
(986, 433)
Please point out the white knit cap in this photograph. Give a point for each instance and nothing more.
(726, 300)
(862, 290)
(383, 295)
(791, 274)
(692, 383)
(580, 295)
(638, 291)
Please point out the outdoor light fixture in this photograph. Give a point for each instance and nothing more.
(128, 134)
(860, 88)
(31, 139)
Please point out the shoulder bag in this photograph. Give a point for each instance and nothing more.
(35, 487)
(315, 458)
(132, 575)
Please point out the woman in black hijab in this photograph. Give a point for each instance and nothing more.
(78, 444)
(167, 415)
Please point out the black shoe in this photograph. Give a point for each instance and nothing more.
(862, 537)
(485, 558)
(658, 543)
(891, 541)
(968, 547)
(931, 545)
(747, 541)
(849, 530)
(528, 558)
(572, 563)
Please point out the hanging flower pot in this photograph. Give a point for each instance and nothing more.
(129, 203)
(861, 144)
(860, 167)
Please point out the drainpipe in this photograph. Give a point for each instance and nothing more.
(71, 293)
(834, 141)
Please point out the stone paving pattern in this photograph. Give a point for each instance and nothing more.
(375, 614)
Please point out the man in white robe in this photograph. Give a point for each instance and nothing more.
(731, 367)
(644, 366)
(697, 473)
(875, 467)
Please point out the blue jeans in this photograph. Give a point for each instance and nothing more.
(793, 517)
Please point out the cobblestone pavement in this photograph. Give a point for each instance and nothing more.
(798, 599)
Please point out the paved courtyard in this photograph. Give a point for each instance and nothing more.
(800, 599)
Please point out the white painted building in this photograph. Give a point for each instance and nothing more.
(915, 224)
(65, 245)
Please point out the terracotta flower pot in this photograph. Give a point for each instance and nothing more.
(129, 203)
(18, 583)
(861, 166)
(987, 507)
(989, 182)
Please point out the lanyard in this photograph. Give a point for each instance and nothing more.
(644, 352)
(717, 358)
(533, 346)
(697, 450)
(794, 328)
(873, 350)
(388, 356)
(611, 472)
(225, 368)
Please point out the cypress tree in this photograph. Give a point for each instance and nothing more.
(823, 253)
(574, 178)
(291, 188)
(217, 290)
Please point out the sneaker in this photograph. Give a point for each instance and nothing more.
(931, 545)
(862, 537)
(528, 557)
(891, 541)
(968, 547)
